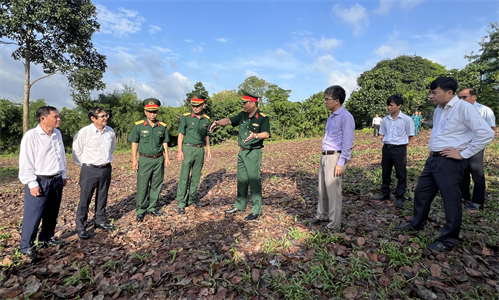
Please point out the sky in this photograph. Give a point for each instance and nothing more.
(162, 48)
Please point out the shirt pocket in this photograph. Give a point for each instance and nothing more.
(399, 131)
(145, 134)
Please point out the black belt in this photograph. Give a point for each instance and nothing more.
(195, 145)
(330, 152)
(435, 154)
(151, 156)
(99, 166)
(389, 146)
(50, 176)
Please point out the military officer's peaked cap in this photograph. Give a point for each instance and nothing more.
(151, 104)
(249, 97)
(197, 99)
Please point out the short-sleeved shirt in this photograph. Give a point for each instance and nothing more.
(150, 139)
(486, 113)
(257, 123)
(398, 131)
(377, 121)
(194, 130)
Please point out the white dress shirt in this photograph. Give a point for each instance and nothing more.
(486, 113)
(94, 147)
(41, 154)
(377, 121)
(398, 131)
(459, 126)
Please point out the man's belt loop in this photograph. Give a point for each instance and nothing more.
(330, 152)
(195, 145)
(151, 156)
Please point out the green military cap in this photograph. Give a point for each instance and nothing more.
(151, 104)
(249, 97)
(197, 99)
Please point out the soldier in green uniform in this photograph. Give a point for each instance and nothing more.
(149, 142)
(254, 127)
(192, 137)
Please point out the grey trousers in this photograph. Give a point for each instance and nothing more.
(330, 198)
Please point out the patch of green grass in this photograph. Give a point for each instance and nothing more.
(296, 234)
(8, 172)
(82, 274)
(399, 256)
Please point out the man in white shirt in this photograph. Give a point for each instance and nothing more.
(458, 133)
(475, 163)
(376, 125)
(42, 169)
(397, 130)
(93, 148)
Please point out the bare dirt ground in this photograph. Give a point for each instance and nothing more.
(206, 254)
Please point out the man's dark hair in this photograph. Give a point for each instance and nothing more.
(471, 91)
(395, 99)
(94, 111)
(445, 83)
(336, 92)
(44, 111)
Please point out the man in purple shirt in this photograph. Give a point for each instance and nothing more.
(336, 149)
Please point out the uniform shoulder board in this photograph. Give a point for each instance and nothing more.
(206, 117)
(186, 114)
(162, 124)
(139, 122)
(263, 115)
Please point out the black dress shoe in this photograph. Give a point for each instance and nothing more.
(316, 221)
(231, 211)
(251, 217)
(181, 211)
(399, 203)
(156, 213)
(51, 243)
(382, 197)
(408, 227)
(83, 234)
(140, 217)
(438, 246)
(473, 207)
(104, 226)
(198, 204)
(31, 253)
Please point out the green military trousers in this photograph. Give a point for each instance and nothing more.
(149, 182)
(248, 174)
(192, 165)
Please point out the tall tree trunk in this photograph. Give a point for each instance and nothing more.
(26, 95)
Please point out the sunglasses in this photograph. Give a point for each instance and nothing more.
(195, 106)
(152, 111)
(463, 97)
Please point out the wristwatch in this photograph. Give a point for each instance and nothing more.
(256, 136)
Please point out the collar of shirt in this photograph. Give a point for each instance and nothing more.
(96, 130)
(451, 102)
(40, 130)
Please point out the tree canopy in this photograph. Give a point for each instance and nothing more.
(56, 34)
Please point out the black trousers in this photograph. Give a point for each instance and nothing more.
(446, 175)
(44, 208)
(475, 168)
(92, 179)
(394, 157)
(376, 130)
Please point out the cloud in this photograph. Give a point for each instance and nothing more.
(313, 46)
(386, 5)
(160, 49)
(347, 80)
(355, 16)
(250, 73)
(197, 49)
(153, 29)
(393, 47)
(327, 44)
(222, 40)
(304, 32)
(121, 23)
(189, 41)
(287, 76)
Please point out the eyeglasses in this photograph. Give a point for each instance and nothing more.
(463, 97)
(152, 111)
(329, 99)
(103, 116)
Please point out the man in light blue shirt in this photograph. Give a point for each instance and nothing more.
(397, 130)
(475, 163)
(336, 149)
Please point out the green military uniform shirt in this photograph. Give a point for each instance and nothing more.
(257, 123)
(194, 130)
(150, 139)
